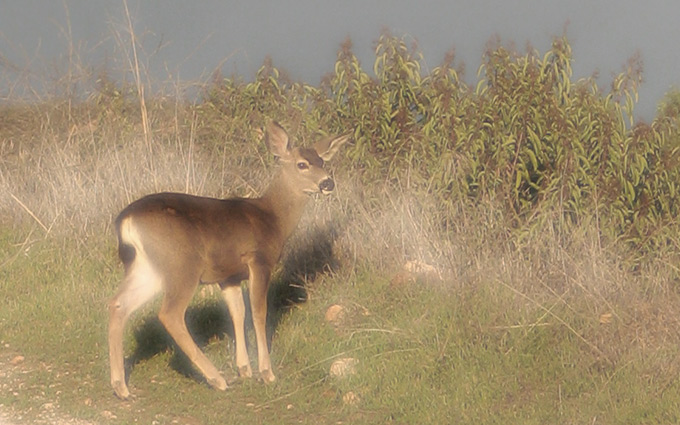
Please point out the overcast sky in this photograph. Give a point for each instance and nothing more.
(187, 40)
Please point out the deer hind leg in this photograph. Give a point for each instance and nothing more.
(233, 296)
(258, 286)
(171, 315)
(140, 284)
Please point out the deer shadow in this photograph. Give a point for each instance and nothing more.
(312, 256)
(205, 322)
(209, 321)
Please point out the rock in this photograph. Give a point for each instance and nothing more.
(108, 414)
(350, 398)
(416, 271)
(335, 314)
(343, 367)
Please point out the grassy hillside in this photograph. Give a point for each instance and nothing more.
(503, 253)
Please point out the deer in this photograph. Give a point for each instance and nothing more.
(171, 243)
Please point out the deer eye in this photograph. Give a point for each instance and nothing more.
(302, 165)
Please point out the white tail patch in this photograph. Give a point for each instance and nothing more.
(130, 235)
(144, 282)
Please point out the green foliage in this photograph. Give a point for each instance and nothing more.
(527, 135)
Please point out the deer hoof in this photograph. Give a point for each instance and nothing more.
(245, 372)
(121, 390)
(267, 376)
(218, 383)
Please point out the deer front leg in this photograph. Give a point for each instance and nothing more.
(233, 296)
(258, 286)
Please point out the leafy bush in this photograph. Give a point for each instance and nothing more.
(527, 136)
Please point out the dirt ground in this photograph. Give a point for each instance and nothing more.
(15, 374)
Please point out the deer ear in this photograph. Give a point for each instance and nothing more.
(326, 148)
(277, 139)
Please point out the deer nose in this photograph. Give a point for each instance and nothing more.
(327, 185)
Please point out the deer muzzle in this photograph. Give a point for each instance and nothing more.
(327, 186)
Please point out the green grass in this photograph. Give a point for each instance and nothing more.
(427, 353)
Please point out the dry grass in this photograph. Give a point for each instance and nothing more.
(67, 175)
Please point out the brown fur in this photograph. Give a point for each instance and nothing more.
(171, 242)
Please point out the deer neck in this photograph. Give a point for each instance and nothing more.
(285, 203)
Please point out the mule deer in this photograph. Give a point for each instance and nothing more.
(171, 242)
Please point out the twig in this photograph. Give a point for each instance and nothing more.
(140, 94)
(530, 326)
(29, 212)
(344, 353)
(375, 330)
(402, 350)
